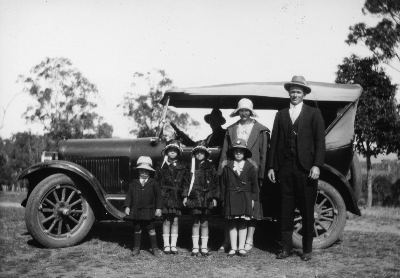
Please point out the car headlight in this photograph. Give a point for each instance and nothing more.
(49, 156)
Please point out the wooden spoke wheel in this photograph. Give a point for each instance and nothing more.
(58, 213)
(329, 218)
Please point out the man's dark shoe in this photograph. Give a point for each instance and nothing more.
(306, 257)
(157, 252)
(284, 254)
(135, 251)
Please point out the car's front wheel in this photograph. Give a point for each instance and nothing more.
(58, 213)
(329, 218)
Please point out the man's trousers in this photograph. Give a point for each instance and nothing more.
(297, 190)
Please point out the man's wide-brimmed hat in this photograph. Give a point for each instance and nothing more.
(144, 162)
(201, 145)
(172, 144)
(244, 103)
(239, 144)
(216, 114)
(299, 81)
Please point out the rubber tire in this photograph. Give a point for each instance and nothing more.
(335, 233)
(32, 214)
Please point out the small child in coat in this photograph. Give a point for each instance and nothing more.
(201, 196)
(173, 176)
(142, 203)
(239, 190)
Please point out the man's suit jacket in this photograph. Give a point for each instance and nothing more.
(310, 138)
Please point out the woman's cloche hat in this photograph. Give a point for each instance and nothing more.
(216, 114)
(172, 144)
(298, 81)
(145, 162)
(239, 144)
(244, 103)
(201, 145)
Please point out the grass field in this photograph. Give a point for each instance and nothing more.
(106, 253)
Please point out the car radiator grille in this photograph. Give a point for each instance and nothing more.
(106, 171)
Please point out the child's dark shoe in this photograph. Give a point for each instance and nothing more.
(135, 251)
(167, 250)
(204, 252)
(242, 253)
(157, 252)
(174, 250)
(232, 253)
(195, 252)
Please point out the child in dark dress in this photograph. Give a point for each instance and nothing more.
(239, 190)
(142, 203)
(201, 196)
(173, 176)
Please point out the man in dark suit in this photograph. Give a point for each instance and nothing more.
(295, 157)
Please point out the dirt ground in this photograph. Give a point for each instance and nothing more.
(368, 248)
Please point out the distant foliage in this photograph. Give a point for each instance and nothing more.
(64, 101)
(142, 105)
(385, 184)
(19, 152)
(384, 38)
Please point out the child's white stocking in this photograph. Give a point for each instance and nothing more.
(195, 240)
(166, 240)
(174, 238)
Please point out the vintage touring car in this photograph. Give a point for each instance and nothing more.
(86, 180)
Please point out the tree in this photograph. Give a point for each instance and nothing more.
(143, 108)
(64, 101)
(383, 39)
(377, 118)
(19, 152)
(5, 169)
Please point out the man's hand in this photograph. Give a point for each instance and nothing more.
(127, 210)
(271, 175)
(314, 173)
(158, 212)
(252, 204)
(184, 201)
(260, 181)
(214, 203)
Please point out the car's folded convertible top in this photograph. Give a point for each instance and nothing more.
(227, 96)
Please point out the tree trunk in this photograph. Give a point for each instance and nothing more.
(369, 181)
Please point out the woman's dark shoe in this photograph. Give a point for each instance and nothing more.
(242, 253)
(284, 254)
(232, 253)
(135, 251)
(167, 250)
(204, 252)
(174, 251)
(224, 247)
(195, 252)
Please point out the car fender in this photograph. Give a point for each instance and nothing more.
(341, 184)
(39, 171)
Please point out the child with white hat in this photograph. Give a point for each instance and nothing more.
(142, 203)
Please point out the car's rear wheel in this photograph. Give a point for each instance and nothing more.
(329, 218)
(58, 213)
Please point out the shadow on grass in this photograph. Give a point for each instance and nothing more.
(265, 236)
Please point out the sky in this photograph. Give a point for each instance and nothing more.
(197, 43)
